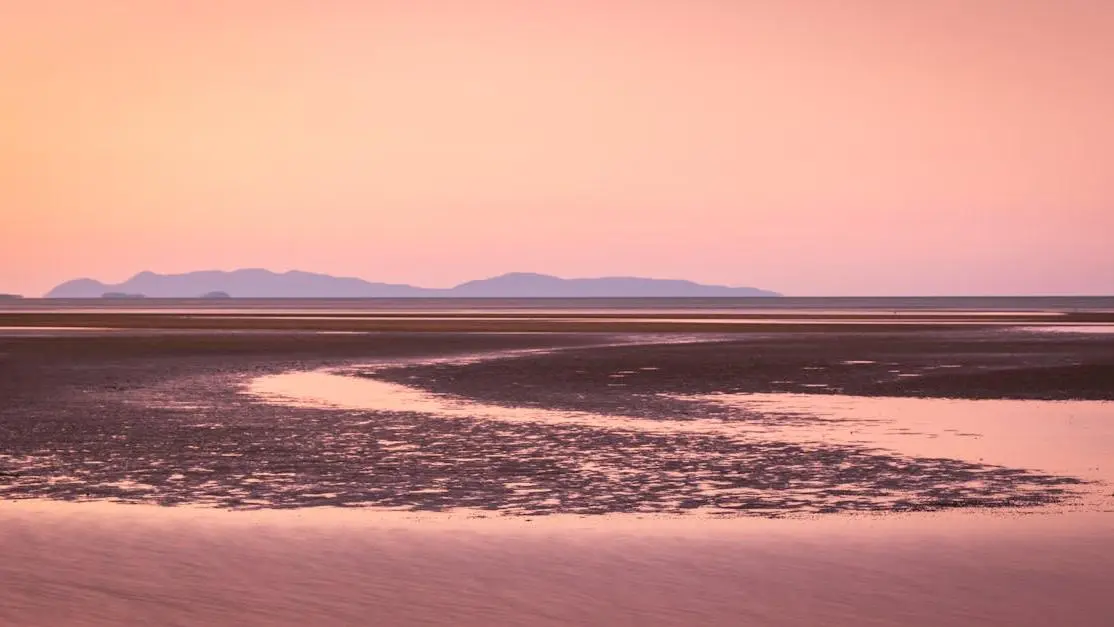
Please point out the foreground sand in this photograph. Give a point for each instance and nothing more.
(101, 564)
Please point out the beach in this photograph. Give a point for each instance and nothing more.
(831, 471)
(82, 564)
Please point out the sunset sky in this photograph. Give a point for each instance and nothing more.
(814, 147)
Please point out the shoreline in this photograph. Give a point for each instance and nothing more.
(557, 321)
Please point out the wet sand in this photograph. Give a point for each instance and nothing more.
(485, 321)
(533, 522)
(92, 565)
(164, 419)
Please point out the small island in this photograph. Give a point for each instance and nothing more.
(261, 283)
(10, 296)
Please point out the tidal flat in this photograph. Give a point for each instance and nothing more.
(863, 471)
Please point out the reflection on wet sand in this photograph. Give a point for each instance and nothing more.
(212, 445)
(1064, 437)
(1067, 437)
(757, 433)
(332, 390)
(100, 565)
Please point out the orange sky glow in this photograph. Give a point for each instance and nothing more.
(814, 147)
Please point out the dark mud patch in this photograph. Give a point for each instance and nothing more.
(977, 364)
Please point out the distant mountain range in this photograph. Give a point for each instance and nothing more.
(258, 283)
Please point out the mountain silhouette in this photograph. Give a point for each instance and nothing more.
(530, 285)
(259, 283)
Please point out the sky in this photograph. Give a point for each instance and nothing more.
(813, 147)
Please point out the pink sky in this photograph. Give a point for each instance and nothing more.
(814, 147)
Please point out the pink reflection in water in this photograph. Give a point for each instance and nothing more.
(325, 389)
(101, 565)
(1063, 437)
(1074, 438)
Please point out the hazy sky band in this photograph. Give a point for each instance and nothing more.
(809, 146)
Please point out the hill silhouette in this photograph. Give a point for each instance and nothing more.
(530, 285)
(259, 283)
